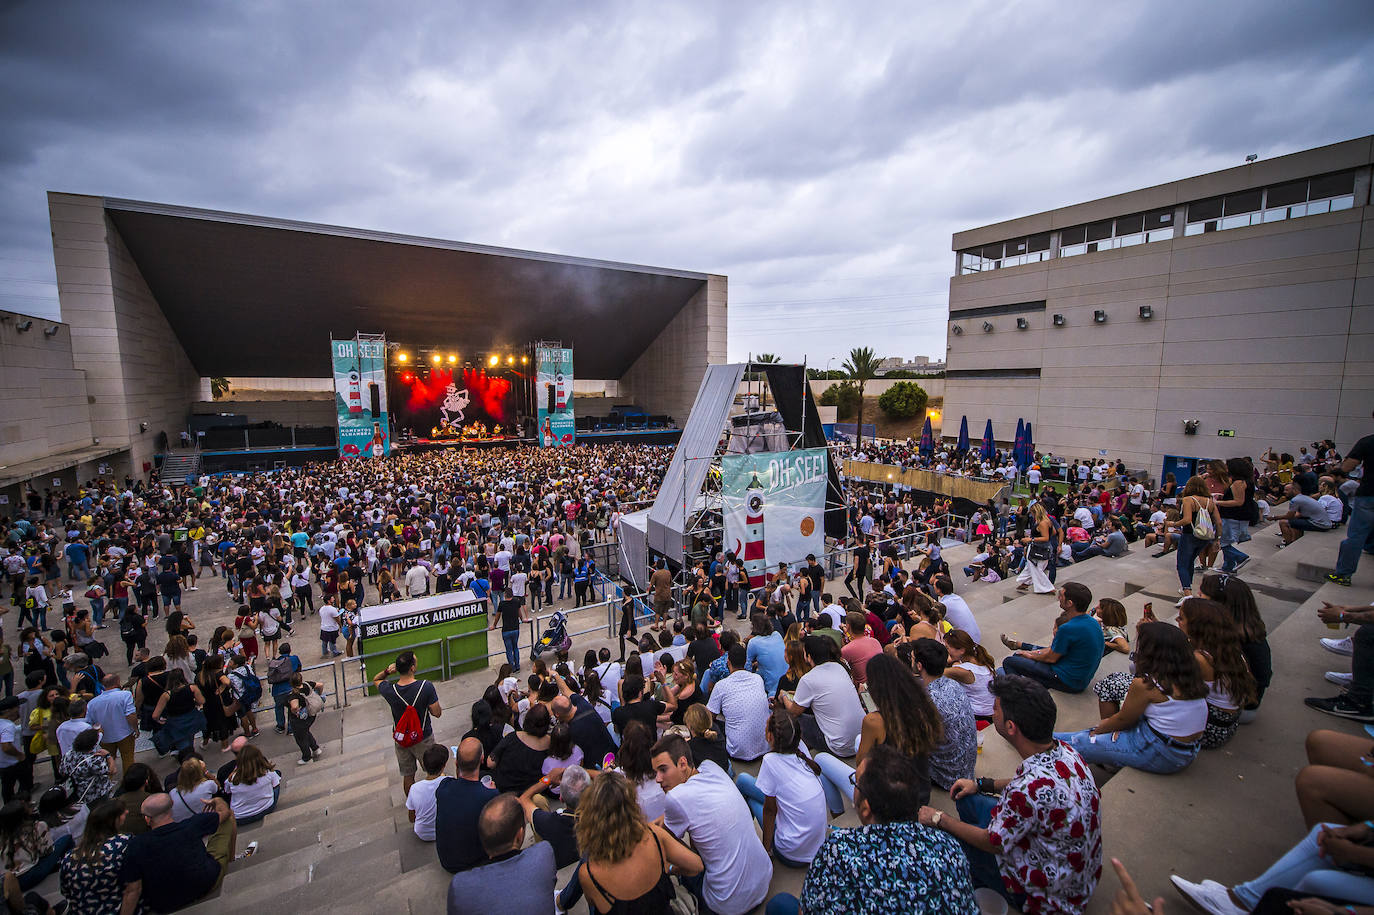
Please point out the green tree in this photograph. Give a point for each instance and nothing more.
(903, 400)
(766, 359)
(861, 366)
(219, 387)
(844, 397)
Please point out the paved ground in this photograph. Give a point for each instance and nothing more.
(340, 841)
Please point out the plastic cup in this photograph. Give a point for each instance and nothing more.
(990, 902)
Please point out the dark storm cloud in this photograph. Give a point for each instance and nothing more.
(821, 154)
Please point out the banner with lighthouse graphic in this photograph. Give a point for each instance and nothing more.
(360, 396)
(774, 508)
(553, 393)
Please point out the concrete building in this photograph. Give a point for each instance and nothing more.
(155, 299)
(1241, 299)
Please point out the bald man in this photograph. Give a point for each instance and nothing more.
(226, 770)
(522, 880)
(169, 867)
(458, 803)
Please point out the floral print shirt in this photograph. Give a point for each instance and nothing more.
(956, 755)
(1047, 832)
(889, 867)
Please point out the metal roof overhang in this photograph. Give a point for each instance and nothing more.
(252, 296)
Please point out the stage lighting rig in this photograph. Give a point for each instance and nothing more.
(452, 358)
(403, 357)
(436, 358)
(494, 361)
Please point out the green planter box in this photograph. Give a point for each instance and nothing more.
(447, 632)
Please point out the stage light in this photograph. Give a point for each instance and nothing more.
(494, 360)
(452, 358)
(402, 357)
(510, 360)
(435, 358)
(524, 360)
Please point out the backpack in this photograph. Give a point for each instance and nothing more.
(1203, 526)
(250, 688)
(280, 670)
(314, 703)
(408, 731)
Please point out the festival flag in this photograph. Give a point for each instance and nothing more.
(927, 446)
(1030, 444)
(962, 446)
(988, 445)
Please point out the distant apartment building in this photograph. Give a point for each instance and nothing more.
(920, 364)
(1209, 317)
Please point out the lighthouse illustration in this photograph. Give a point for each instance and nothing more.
(355, 393)
(560, 392)
(751, 551)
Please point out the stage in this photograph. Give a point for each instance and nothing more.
(644, 437)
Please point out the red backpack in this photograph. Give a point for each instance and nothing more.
(408, 730)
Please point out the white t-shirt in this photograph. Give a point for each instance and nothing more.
(979, 696)
(188, 804)
(836, 615)
(610, 673)
(1033, 477)
(960, 616)
(246, 800)
(829, 692)
(68, 731)
(421, 800)
(1084, 516)
(799, 829)
(329, 618)
(9, 733)
(652, 800)
(710, 807)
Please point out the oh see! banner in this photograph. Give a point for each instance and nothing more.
(774, 507)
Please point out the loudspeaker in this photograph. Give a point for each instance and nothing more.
(548, 398)
(375, 393)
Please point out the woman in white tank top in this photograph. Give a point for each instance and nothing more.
(1159, 725)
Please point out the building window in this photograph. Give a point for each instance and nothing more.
(1122, 232)
(1014, 253)
(1323, 194)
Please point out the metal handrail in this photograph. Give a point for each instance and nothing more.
(334, 671)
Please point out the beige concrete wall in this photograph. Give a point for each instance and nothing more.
(666, 377)
(136, 370)
(44, 409)
(1267, 330)
(285, 411)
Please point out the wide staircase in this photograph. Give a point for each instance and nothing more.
(340, 839)
(180, 466)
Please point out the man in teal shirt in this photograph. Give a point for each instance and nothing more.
(1070, 663)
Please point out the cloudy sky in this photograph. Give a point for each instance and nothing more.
(819, 154)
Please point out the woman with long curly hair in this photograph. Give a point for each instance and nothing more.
(627, 857)
(1230, 685)
(1235, 595)
(1158, 727)
(905, 719)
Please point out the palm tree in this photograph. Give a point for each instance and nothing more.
(861, 366)
(769, 359)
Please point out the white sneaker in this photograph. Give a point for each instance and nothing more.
(1340, 679)
(302, 762)
(1345, 646)
(1208, 895)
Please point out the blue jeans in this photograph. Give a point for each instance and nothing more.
(46, 864)
(1232, 532)
(1188, 549)
(98, 610)
(1140, 748)
(1038, 671)
(976, 810)
(511, 639)
(563, 582)
(279, 704)
(783, 904)
(1359, 535)
(1305, 870)
(748, 786)
(837, 779)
